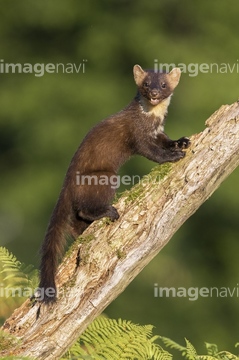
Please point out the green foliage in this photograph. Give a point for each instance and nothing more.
(14, 273)
(43, 120)
(17, 280)
(117, 339)
(189, 352)
(104, 338)
(120, 339)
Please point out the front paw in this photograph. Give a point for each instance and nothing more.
(113, 213)
(183, 143)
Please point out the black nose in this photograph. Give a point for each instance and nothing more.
(154, 92)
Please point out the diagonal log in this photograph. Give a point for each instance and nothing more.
(108, 256)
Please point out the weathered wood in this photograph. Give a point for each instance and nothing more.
(111, 255)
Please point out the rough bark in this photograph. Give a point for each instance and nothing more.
(101, 264)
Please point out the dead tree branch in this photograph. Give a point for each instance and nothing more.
(111, 255)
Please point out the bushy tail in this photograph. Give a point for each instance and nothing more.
(51, 252)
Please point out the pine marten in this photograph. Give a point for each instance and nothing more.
(137, 129)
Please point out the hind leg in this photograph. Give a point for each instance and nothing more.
(94, 200)
(92, 214)
(79, 225)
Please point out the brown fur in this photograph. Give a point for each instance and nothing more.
(137, 129)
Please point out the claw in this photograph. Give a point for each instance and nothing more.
(183, 143)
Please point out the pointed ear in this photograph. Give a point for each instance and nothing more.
(174, 77)
(139, 74)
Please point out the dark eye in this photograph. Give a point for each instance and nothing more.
(163, 85)
(146, 84)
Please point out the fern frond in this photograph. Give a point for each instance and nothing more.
(190, 352)
(13, 273)
(172, 344)
(213, 353)
(212, 349)
(9, 267)
(225, 355)
(8, 262)
(118, 339)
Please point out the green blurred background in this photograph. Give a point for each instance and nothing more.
(44, 118)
